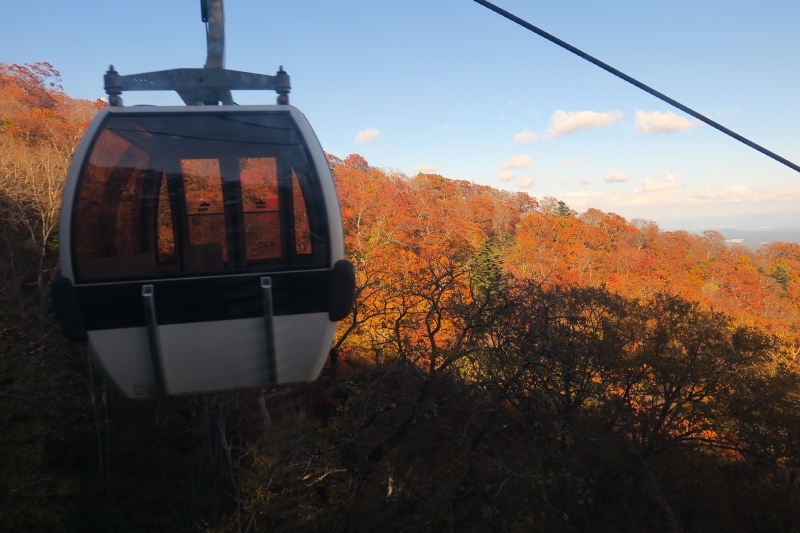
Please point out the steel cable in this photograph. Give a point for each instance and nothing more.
(632, 81)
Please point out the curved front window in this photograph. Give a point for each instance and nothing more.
(171, 194)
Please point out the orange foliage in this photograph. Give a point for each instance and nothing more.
(34, 109)
(415, 237)
(40, 128)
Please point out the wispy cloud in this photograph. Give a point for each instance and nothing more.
(741, 195)
(507, 176)
(567, 123)
(424, 168)
(618, 176)
(563, 182)
(366, 136)
(657, 122)
(525, 136)
(445, 127)
(584, 182)
(726, 113)
(518, 161)
(526, 182)
(667, 181)
(668, 191)
(582, 159)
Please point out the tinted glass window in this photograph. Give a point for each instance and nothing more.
(302, 228)
(165, 232)
(170, 194)
(261, 205)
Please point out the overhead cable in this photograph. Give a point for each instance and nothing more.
(632, 81)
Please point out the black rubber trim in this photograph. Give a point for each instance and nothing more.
(68, 311)
(343, 290)
(119, 305)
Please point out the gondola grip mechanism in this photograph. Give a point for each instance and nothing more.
(210, 85)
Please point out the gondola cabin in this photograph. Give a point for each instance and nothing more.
(202, 249)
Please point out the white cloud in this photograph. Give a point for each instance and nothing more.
(507, 176)
(563, 123)
(584, 182)
(518, 161)
(657, 122)
(445, 127)
(424, 168)
(525, 136)
(563, 182)
(365, 136)
(618, 176)
(526, 182)
(582, 159)
(667, 181)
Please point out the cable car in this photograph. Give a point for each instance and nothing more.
(201, 247)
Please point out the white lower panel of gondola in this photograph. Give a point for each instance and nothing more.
(206, 357)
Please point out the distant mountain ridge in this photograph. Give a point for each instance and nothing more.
(756, 238)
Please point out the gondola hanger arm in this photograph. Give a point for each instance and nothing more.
(213, 14)
(210, 85)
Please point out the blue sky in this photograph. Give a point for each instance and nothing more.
(449, 85)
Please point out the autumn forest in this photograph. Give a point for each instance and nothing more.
(509, 365)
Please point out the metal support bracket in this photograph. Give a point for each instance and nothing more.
(196, 86)
(266, 302)
(148, 299)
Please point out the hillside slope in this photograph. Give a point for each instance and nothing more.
(509, 365)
